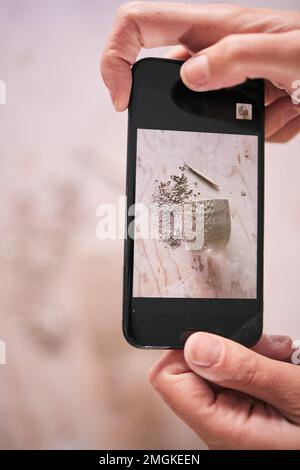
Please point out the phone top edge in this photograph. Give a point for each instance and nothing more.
(154, 59)
(143, 60)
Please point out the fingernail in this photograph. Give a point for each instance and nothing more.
(196, 71)
(116, 102)
(117, 105)
(290, 114)
(206, 351)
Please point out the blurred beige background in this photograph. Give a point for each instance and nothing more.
(71, 381)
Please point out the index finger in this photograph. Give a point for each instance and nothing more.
(148, 25)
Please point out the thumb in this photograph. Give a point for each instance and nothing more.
(233, 366)
(237, 57)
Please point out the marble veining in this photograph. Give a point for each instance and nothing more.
(231, 161)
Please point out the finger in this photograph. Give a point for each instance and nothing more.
(286, 133)
(147, 25)
(233, 366)
(240, 56)
(224, 419)
(272, 93)
(275, 346)
(191, 398)
(278, 114)
(172, 377)
(179, 53)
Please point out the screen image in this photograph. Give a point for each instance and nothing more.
(200, 192)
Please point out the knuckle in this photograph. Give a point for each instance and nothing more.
(108, 65)
(155, 377)
(239, 9)
(230, 11)
(288, 46)
(234, 48)
(129, 10)
(232, 8)
(110, 58)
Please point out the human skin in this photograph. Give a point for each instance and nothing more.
(231, 396)
(222, 46)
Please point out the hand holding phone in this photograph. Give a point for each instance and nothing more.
(221, 45)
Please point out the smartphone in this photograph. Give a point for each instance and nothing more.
(193, 257)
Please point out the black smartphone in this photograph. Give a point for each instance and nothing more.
(195, 205)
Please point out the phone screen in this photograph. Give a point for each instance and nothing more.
(199, 190)
(195, 197)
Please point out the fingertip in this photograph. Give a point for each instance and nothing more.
(116, 75)
(178, 53)
(120, 98)
(203, 350)
(119, 106)
(195, 73)
(191, 343)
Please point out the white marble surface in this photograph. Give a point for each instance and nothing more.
(230, 161)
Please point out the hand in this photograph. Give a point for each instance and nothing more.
(223, 45)
(232, 397)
